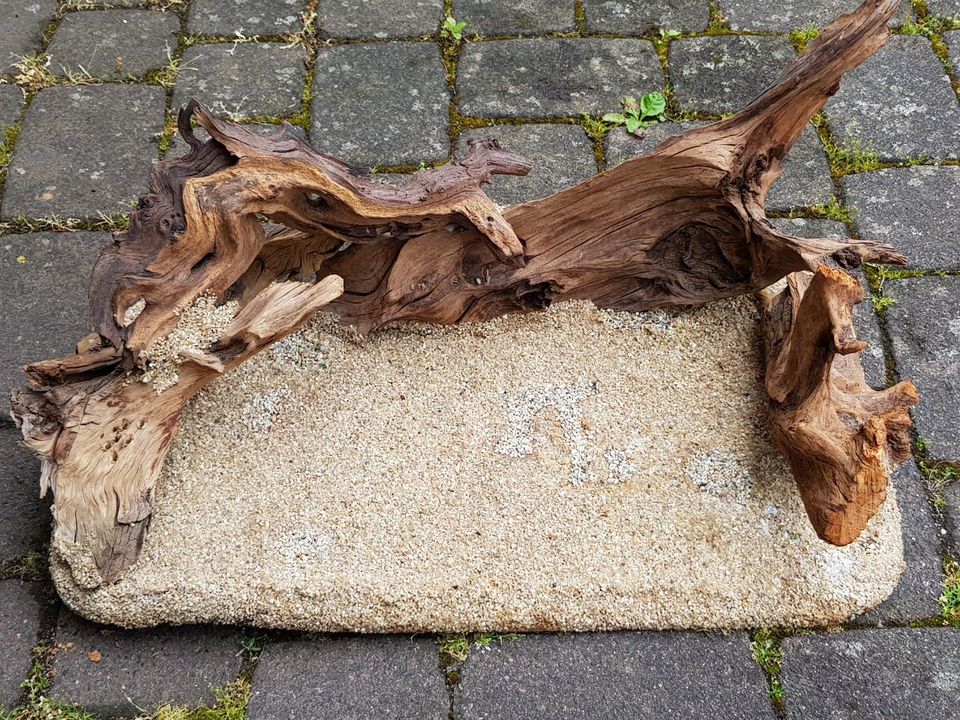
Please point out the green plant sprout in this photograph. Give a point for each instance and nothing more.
(650, 110)
(453, 28)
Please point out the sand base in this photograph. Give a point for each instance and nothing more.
(575, 469)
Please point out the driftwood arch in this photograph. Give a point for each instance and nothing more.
(682, 226)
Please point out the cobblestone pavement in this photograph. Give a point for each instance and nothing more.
(88, 102)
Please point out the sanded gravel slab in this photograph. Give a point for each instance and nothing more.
(621, 676)
(560, 470)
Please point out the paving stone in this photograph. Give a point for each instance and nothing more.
(944, 8)
(562, 156)
(249, 17)
(44, 278)
(514, 17)
(19, 624)
(914, 209)
(903, 673)
(953, 43)
(385, 104)
(11, 103)
(639, 17)
(805, 180)
(23, 25)
(951, 515)
(380, 18)
(555, 77)
(722, 74)
(916, 596)
(24, 517)
(790, 14)
(113, 43)
(84, 151)
(350, 678)
(249, 79)
(899, 104)
(141, 668)
(620, 675)
(924, 326)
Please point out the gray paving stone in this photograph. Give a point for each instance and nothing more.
(23, 25)
(924, 327)
(554, 78)
(903, 673)
(141, 668)
(899, 104)
(19, 624)
(916, 596)
(790, 14)
(249, 79)
(805, 180)
(249, 17)
(514, 17)
(722, 74)
(380, 18)
(944, 8)
(638, 17)
(11, 103)
(953, 43)
(350, 678)
(44, 280)
(113, 44)
(951, 516)
(84, 150)
(24, 517)
(381, 104)
(613, 675)
(562, 156)
(914, 209)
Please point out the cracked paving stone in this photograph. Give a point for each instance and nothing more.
(44, 278)
(379, 18)
(514, 17)
(141, 669)
(916, 596)
(381, 104)
(916, 210)
(903, 673)
(84, 151)
(639, 17)
(619, 675)
(561, 77)
(924, 327)
(11, 103)
(350, 677)
(23, 25)
(723, 74)
(19, 625)
(562, 156)
(898, 104)
(805, 180)
(246, 80)
(249, 17)
(113, 44)
(24, 517)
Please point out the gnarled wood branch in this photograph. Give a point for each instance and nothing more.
(682, 226)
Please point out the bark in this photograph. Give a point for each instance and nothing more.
(682, 226)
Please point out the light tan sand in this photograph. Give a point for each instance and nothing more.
(575, 469)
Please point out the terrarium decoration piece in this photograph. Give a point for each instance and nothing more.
(196, 286)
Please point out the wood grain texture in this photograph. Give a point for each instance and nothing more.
(683, 225)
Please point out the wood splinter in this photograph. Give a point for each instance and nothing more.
(682, 226)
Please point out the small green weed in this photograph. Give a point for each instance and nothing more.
(667, 35)
(453, 29)
(833, 210)
(802, 37)
(454, 648)
(231, 704)
(950, 600)
(639, 115)
(485, 640)
(930, 26)
(769, 656)
(881, 303)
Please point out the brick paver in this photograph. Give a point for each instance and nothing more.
(554, 78)
(624, 675)
(135, 670)
(924, 325)
(350, 677)
(79, 155)
(113, 44)
(19, 625)
(904, 673)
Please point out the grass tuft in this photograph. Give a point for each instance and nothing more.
(231, 704)
(950, 600)
(803, 36)
(768, 654)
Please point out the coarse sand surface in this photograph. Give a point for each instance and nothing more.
(575, 469)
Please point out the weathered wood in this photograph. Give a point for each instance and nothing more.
(682, 226)
(840, 436)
